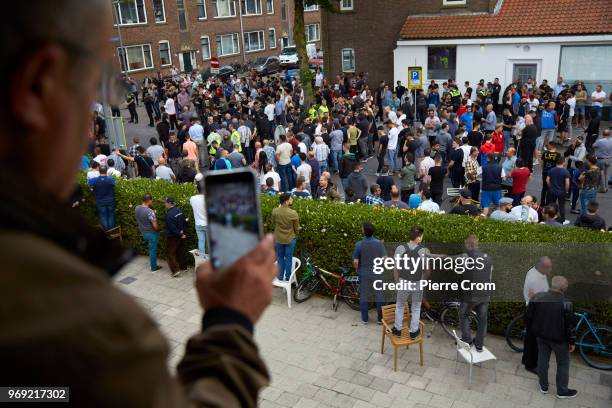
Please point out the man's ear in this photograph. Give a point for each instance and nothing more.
(36, 84)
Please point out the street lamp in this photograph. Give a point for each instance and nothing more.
(115, 4)
(241, 29)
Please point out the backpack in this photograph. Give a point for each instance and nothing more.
(407, 274)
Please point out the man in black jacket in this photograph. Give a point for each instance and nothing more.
(175, 234)
(550, 316)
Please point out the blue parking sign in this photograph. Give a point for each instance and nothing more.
(415, 77)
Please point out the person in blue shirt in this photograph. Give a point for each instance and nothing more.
(295, 163)
(416, 199)
(575, 184)
(467, 118)
(365, 254)
(222, 163)
(516, 98)
(85, 162)
(103, 188)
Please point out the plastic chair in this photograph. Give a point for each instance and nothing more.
(471, 356)
(198, 259)
(295, 265)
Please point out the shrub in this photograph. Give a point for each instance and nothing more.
(329, 232)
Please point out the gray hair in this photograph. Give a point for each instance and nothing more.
(541, 262)
(559, 283)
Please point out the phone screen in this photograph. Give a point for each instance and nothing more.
(234, 220)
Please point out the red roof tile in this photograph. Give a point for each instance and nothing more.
(517, 18)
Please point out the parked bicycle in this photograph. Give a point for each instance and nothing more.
(594, 341)
(446, 312)
(341, 285)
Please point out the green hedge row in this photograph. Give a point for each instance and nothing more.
(330, 230)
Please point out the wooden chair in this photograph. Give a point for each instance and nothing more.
(115, 233)
(388, 318)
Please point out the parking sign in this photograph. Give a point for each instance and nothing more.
(415, 78)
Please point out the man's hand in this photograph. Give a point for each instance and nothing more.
(572, 347)
(245, 286)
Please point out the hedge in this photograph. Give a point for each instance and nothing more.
(329, 232)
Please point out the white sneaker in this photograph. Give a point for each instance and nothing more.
(566, 222)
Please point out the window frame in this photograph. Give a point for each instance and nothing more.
(185, 16)
(454, 2)
(144, 60)
(163, 4)
(144, 8)
(446, 75)
(216, 9)
(198, 10)
(307, 32)
(343, 8)
(243, 4)
(161, 62)
(263, 41)
(312, 7)
(352, 50)
(221, 42)
(272, 30)
(209, 50)
(272, 4)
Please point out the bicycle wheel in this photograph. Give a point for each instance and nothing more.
(350, 294)
(449, 318)
(515, 333)
(306, 289)
(596, 347)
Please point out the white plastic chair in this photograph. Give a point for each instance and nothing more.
(471, 356)
(198, 259)
(295, 265)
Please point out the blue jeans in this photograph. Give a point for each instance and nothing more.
(507, 136)
(151, 238)
(323, 166)
(392, 159)
(597, 109)
(201, 232)
(336, 158)
(365, 297)
(106, 212)
(586, 196)
(284, 258)
(284, 171)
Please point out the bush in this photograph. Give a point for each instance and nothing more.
(330, 230)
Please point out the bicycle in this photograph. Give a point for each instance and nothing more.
(447, 316)
(314, 277)
(594, 342)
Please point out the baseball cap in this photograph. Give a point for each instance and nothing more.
(505, 201)
(169, 200)
(466, 193)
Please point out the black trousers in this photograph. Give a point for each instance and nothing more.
(475, 190)
(559, 199)
(545, 193)
(526, 154)
(457, 177)
(530, 350)
(133, 113)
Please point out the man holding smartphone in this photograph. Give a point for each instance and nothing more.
(82, 331)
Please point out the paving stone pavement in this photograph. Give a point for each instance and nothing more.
(321, 358)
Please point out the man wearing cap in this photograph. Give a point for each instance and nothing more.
(148, 226)
(465, 206)
(175, 235)
(503, 213)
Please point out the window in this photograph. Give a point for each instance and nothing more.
(346, 4)
(441, 62)
(270, 6)
(453, 2)
(205, 45)
(159, 11)
(312, 32)
(224, 8)
(284, 10)
(587, 63)
(311, 7)
(182, 17)
(201, 6)
(251, 7)
(271, 38)
(348, 60)
(135, 57)
(164, 53)
(254, 41)
(131, 12)
(227, 44)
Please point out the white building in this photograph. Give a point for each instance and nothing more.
(542, 39)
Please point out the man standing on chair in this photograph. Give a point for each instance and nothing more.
(412, 249)
(477, 300)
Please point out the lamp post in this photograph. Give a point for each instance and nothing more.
(241, 30)
(115, 4)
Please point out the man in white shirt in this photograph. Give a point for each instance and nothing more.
(597, 99)
(284, 151)
(196, 132)
(391, 115)
(269, 112)
(525, 211)
(304, 170)
(270, 173)
(112, 171)
(170, 109)
(199, 214)
(155, 151)
(164, 172)
(321, 153)
(571, 102)
(426, 164)
(392, 146)
(428, 204)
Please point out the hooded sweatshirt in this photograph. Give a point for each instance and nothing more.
(357, 187)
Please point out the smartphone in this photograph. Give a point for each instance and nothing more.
(234, 217)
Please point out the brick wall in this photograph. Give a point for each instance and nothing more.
(152, 33)
(372, 30)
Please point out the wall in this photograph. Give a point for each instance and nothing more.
(487, 60)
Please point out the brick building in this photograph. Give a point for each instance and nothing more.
(160, 34)
(363, 35)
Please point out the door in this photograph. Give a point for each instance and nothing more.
(523, 72)
(187, 66)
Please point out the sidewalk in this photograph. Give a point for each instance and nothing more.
(321, 358)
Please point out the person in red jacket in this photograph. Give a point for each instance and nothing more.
(497, 138)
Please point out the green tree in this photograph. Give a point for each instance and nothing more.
(299, 36)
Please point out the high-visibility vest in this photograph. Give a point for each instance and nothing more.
(312, 112)
(235, 138)
(212, 151)
(455, 93)
(483, 92)
(323, 110)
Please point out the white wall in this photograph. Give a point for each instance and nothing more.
(489, 58)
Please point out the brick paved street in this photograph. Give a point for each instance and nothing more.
(321, 358)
